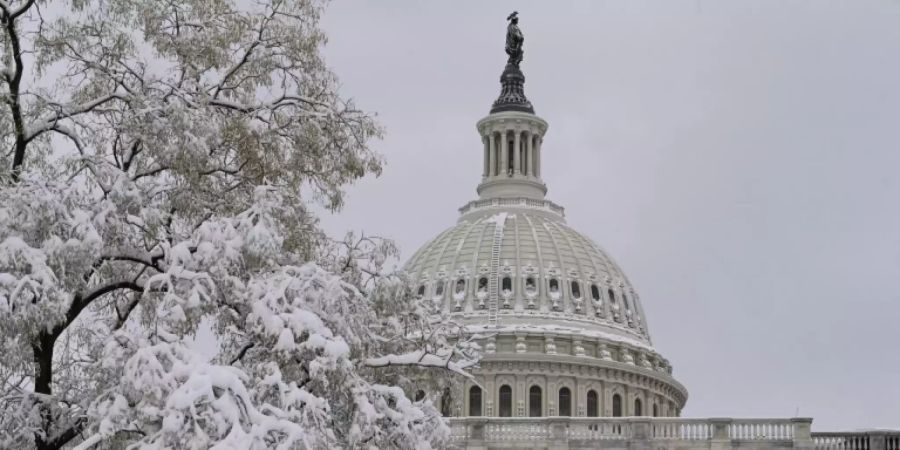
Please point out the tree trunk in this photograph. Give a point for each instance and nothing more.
(43, 377)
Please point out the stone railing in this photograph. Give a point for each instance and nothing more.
(496, 430)
(658, 434)
(517, 202)
(858, 440)
(631, 432)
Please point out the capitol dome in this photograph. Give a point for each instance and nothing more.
(548, 275)
(563, 331)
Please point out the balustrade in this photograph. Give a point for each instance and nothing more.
(681, 429)
(663, 432)
(760, 430)
(869, 440)
(520, 202)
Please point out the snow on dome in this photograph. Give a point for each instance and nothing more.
(576, 283)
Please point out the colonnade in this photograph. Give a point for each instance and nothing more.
(512, 153)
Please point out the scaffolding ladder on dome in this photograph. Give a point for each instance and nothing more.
(493, 282)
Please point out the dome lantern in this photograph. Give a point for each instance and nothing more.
(512, 134)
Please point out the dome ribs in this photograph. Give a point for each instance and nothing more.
(581, 272)
(540, 264)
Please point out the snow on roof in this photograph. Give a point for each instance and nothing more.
(558, 329)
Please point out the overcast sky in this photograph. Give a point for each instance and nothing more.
(739, 159)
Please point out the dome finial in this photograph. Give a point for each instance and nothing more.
(512, 93)
(514, 39)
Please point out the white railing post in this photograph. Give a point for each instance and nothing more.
(559, 433)
(641, 433)
(802, 427)
(721, 438)
(877, 440)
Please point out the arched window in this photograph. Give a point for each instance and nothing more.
(576, 290)
(638, 407)
(565, 402)
(507, 284)
(439, 290)
(611, 295)
(420, 395)
(421, 292)
(593, 404)
(534, 402)
(445, 402)
(655, 410)
(530, 286)
(505, 401)
(625, 301)
(483, 284)
(475, 401)
(460, 286)
(554, 286)
(617, 405)
(595, 292)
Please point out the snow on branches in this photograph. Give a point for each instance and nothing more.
(157, 163)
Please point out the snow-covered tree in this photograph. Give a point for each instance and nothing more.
(159, 161)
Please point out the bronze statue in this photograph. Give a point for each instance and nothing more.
(514, 40)
(512, 80)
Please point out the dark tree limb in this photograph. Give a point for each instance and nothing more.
(42, 348)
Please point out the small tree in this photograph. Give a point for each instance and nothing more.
(157, 161)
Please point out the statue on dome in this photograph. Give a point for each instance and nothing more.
(514, 40)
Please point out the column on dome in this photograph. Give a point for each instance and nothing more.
(504, 154)
(529, 154)
(517, 152)
(522, 146)
(486, 158)
(537, 154)
(524, 157)
(492, 163)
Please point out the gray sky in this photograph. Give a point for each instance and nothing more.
(739, 159)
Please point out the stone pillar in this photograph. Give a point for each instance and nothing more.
(492, 141)
(504, 155)
(517, 152)
(803, 437)
(641, 434)
(475, 434)
(559, 434)
(529, 153)
(720, 439)
(489, 395)
(486, 158)
(537, 155)
(878, 440)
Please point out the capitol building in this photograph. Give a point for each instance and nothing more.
(568, 359)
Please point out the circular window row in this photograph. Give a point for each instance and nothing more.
(531, 290)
